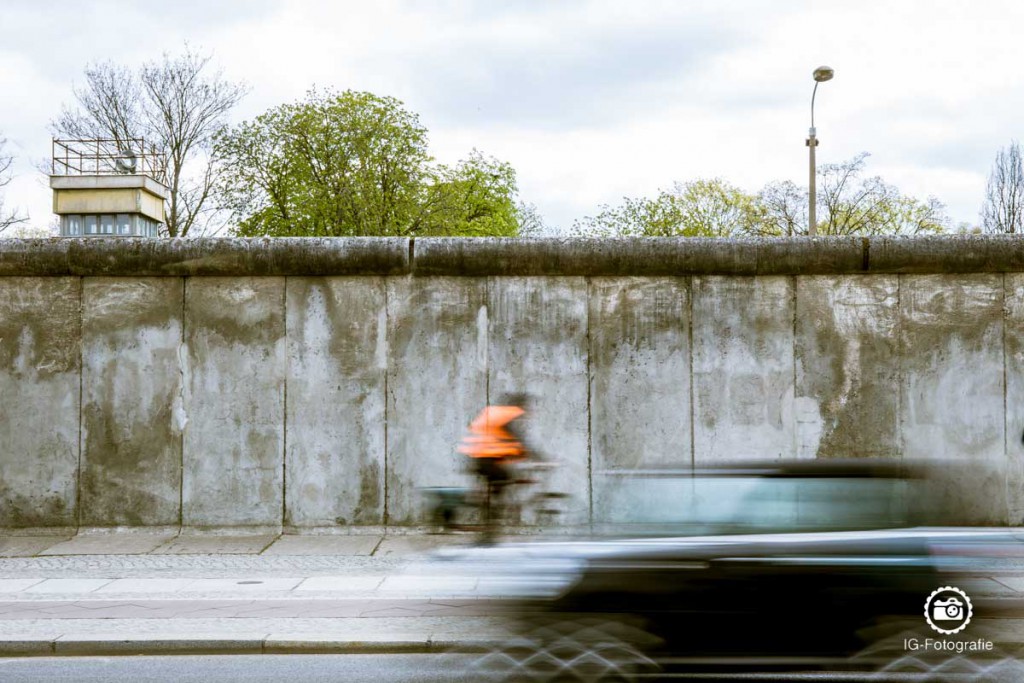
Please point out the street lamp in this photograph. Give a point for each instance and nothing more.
(821, 74)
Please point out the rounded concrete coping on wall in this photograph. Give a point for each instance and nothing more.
(700, 256)
(453, 256)
(635, 256)
(948, 254)
(99, 256)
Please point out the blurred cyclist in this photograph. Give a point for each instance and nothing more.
(493, 443)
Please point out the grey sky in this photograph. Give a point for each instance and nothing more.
(589, 100)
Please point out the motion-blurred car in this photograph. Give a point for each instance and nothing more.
(817, 563)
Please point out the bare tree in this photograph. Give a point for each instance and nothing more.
(177, 104)
(109, 106)
(7, 217)
(1003, 211)
(785, 209)
(849, 204)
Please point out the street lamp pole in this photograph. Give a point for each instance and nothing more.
(821, 74)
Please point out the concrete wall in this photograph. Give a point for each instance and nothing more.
(336, 403)
(640, 386)
(320, 384)
(41, 389)
(131, 392)
(437, 358)
(743, 368)
(235, 363)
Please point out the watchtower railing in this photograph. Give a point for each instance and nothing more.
(107, 156)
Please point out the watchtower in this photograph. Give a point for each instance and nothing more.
(108, 188)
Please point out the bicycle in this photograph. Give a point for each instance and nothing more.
(475, 509)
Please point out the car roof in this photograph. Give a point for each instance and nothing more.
(825, 468)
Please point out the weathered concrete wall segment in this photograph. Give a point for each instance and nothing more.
(132, 401)
(320, 401)
(234, 435)
(40, 385)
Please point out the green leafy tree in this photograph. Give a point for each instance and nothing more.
(354, 163)
(476, 198)
(910, 216)
(634, 217)
(700, 208)
(848, 204)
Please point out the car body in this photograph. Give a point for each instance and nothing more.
(783, 589)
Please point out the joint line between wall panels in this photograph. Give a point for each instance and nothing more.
(795, 425)
(900, 368)
(182, 392)
(387, 366)
(1006, 426)
(284, 438)
(81, 408)
(689, 332)
(590, 416)
(487, 353)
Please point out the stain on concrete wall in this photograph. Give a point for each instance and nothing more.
(538, 345)
(437, 383)
(337, 360)
(40, 352)
(639, 385)
(235, 379)
(951, 347)
(131, 390)
(1014, 354)
(847, 366)
(743, 368)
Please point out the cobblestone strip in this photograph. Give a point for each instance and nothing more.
(285, 609)
(132, 566)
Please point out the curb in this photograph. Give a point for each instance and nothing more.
(126, 647)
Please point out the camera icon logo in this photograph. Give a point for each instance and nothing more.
(948, 610)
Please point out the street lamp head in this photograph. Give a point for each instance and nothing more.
(823, 73)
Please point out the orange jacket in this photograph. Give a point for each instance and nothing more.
(488, 437)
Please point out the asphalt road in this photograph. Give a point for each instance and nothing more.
(422, 668)
(230, 668)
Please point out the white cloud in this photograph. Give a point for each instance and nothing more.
(590, 101)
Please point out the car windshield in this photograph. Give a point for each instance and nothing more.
(735, 502)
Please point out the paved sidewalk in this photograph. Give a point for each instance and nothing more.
(136, 592)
